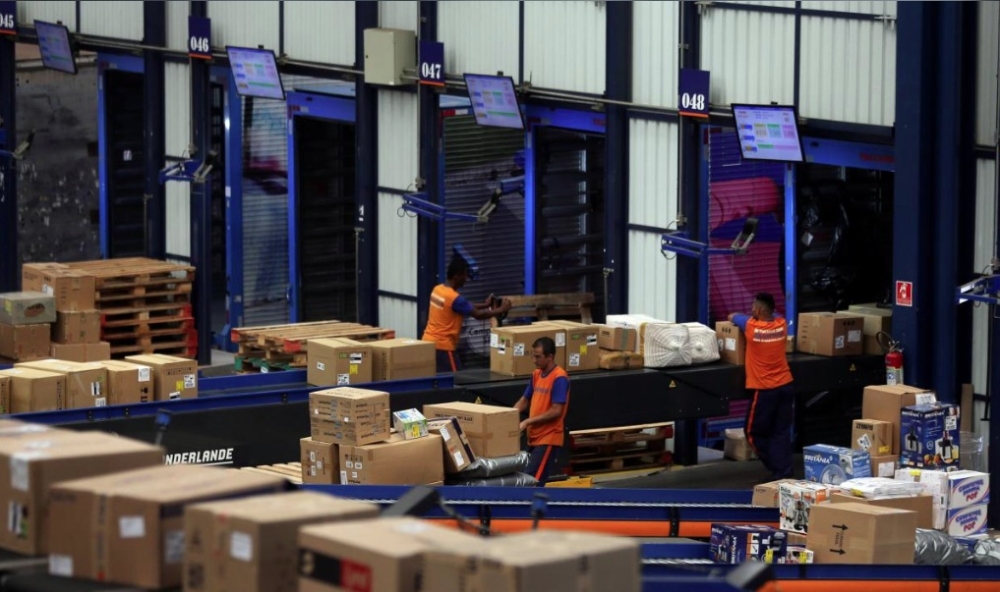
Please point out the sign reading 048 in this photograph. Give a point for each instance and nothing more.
(692, 93)
(199, 38)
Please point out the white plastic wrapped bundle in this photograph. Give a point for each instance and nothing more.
(703, 343)
(873, 487)
(639, 322)
(666, 345)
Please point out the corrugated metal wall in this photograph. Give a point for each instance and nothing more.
(986, 214)
(178, 128)
(120, 19)
(480, 37)
(246, 24)
(50, 11)
(986, 100)
(655, 30)
(652, 202)
(565, 45)
(750, 55)
(398, 166)
(398, 14)
(318, 31)
(177, 25)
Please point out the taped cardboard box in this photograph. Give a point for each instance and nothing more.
(173, 377)
(861, 534)
(582, 351)
(339, 362)
(128, 382)
(765, 495)
(872, 435)
(349, 416)
(129, 526)
(886, 403)
(492, 431)
(402, 359)
(922, 505)
(27, 308)
(884, 466)
(81, 352)
(251, 544)
(830, 334)
(320, 462)
(511, 347)
(732, 343)
(24, 342)
(875, 320)
(72, 289)
(620, 360)
(82, 326)
(394, 462)
(616, 338)
(86, 383)
(457, 451)
(35, 390)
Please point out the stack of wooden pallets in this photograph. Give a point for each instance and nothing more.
(145, 305)
(282, 347)
(619, 448)
(291, 471)
(549, 307)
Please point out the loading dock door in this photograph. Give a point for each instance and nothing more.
(123, 154)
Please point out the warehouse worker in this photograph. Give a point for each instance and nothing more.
(769, 419)
(546, 400)
(448, 309)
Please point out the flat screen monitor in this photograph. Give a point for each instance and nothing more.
(494, 101)
(768, 132)
(54, 47)
(256, 73)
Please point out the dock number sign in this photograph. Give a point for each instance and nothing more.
(692, 98)
(432, 63)
(199, 38)
(904, 293)
(8, 18)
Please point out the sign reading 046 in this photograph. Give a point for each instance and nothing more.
(199, 38)
(692, 95)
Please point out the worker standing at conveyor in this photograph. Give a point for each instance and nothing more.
(447, 311)
(769, 419)
(546, 400)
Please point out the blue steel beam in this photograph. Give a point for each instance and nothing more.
(9, 260)
(366, 180)
(201, 199)
(154, 33)
(618, 75)
(429, 232)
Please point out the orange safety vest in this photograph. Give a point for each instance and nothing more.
(444, 325)
(766, 364)
(551, 433)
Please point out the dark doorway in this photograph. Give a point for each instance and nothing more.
(124, 106)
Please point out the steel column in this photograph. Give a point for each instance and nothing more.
(366, 221)
(618, 73)
(9, 260)
(201, 199)
(692, 304)
(154, 33)
(429, 233)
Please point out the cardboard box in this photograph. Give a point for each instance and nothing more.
(251, 544)
(830, 334)
(86, 383)
(349, 416)
(410, 424)
(935, 484)
(616, 338)
(922, 505)
(732, 343)
(873, 436)
(929, 436)
(855, 533)
(737, 447)
(886, 402)
(512, 566)
(740, 543)
(128, 383)
(320, 461)
(620, 360)
(795, 501)
(396, 462)
(24, 342)
(5, 388)
(401, 359)
(967, 521)
(968, 498)
(35, 390)
(27, 308)
(457, 451)
(338, 362)
(511, 347)
(81, 352)
(492, 431)
(31, 463)
(832, 465)
(82, 326)
(875, 320)
(72, 289)
(765, 495)
(128, 527)
(885, 466)
(582, 351)
(173, 377)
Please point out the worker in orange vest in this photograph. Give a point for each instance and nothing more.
(546, 400)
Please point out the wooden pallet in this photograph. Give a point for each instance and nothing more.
(547, 307)
(116, 274)
(293, 339)
(291, 471)
(604, 450)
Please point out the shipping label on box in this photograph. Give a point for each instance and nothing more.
(795, 498)
(832, 465)
(616, 338)
(457, 451)
(582, 351)
(27, 308)
(929, 436)
(885, 466)
(872, 436)
(732, 342)
(410, 424)
(338, 362)
(320, 461)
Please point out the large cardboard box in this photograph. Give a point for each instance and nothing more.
(35, 390)
(173, 377)
(886, 402)
(492, 431)
(616, 338)
(732, 343)
(339, 362)
(402, 359)
(832, 465)
(82, 326)
(620, 360)
(511, 351)
(857, 534)
(86, 383)
(71, 288)
(582, 351)
(320, 462)
(510, 567)
(830, 334)
(923, 505)
(128, 527)
(24, 342)
(251, 544)
(32, 462)
(395, 462)
(929, 436)
(766, 495)
(873, 436)
(128, 382)
(349, 416)
(457, 451)
(81, 352)
(876, 319)
(27, 308)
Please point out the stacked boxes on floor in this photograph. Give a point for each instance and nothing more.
(26, 319)
(76, 329)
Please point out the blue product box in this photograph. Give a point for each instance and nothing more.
(928, 436)
(832, 465)
(741, 543)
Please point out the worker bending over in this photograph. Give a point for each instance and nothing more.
(546, 400)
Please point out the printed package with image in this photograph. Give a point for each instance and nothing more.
(929, 437)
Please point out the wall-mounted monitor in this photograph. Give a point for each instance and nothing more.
(768, 132)
(256, 73)
(494, 101)
(54, 47)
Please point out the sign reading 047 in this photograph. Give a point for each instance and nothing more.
(692, 96)
(199, 38)
(431, 63)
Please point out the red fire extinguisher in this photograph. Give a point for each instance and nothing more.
(893, 359)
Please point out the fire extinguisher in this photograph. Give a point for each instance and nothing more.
(893, 359)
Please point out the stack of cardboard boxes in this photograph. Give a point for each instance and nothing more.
(343, 362)
(76, 330)
(579, 347)
(26, 319)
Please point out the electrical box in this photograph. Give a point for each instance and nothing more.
(388, 52)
